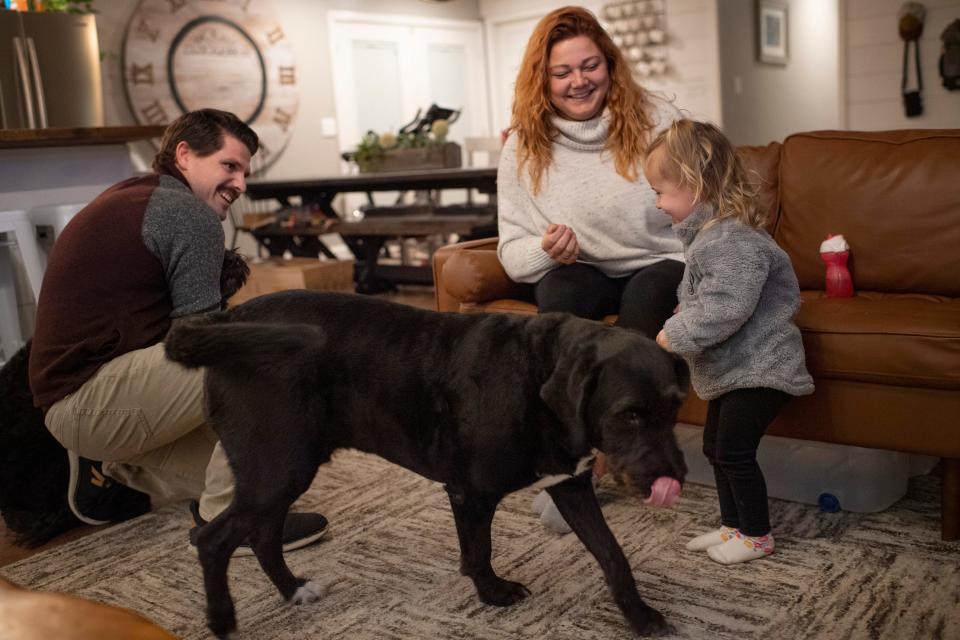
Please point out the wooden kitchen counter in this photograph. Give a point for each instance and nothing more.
(73, 137)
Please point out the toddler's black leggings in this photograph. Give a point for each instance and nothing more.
(735, 423)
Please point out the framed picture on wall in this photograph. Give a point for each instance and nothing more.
(771, 32)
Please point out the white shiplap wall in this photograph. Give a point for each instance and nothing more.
(694, 51)
(874, 58)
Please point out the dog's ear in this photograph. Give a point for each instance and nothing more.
(233, 275)
(682, 373)
(567, 391)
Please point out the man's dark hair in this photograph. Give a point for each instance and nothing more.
(203, 131)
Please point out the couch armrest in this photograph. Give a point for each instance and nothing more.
(470, 272)
(443, 300)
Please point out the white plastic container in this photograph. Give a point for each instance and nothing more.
(860, 480)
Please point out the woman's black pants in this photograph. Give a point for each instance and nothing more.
(644, 300)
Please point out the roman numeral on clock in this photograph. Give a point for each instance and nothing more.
(154, 113)
(141, 75)
(275, 36)
(144, 28)
(288, 75)
(282, 118)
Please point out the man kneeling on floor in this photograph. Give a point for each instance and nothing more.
(144, 254)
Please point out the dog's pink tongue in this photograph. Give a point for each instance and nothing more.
(664, 493)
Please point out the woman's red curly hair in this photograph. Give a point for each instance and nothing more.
(629, 123)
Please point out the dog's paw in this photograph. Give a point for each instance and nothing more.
(308, 592)
(652, 624)
(499, 592)
(222, 623)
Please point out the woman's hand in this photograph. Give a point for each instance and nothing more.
(560, 243)
(663, 342)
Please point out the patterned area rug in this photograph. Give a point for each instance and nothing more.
(390, 561)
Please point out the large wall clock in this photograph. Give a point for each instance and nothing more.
(181, 55)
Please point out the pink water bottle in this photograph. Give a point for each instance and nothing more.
(835, 252)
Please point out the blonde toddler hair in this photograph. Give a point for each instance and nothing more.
(697, 155)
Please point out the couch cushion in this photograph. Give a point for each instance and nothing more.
(895, 339)
(763, 166)
(894, 195)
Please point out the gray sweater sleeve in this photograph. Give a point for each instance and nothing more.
(187, 237)
(718, 294)
(519, 248)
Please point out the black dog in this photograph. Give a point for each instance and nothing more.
(34, 470)
(485, 404)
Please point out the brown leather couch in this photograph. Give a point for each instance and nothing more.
(887, 361)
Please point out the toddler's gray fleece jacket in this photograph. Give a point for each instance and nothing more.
(738, 297)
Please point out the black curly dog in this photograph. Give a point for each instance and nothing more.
(34, 471)
(485, 404)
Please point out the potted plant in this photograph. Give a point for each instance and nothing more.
(422, 144)
(66, 6)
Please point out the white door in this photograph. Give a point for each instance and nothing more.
(450, 62)
(508, 40)
(387, 67)
(369, 61)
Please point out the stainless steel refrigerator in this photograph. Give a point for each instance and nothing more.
(49, 71)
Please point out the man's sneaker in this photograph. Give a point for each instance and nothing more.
(96, 499)
(299, 530)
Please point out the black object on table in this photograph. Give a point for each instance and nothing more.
(366, 237)
(320, 192)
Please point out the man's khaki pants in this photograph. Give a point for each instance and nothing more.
(142, 415)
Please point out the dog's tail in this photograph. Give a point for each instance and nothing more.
(214, 341)
(34, 470)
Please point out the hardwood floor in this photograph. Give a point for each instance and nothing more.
(10, 553)
(413, 295)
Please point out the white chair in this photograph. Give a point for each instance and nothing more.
(18, 228)
(55, 216)
(489, 148)
(238, 211)
(11, 338)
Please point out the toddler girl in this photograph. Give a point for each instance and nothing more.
(734, 324)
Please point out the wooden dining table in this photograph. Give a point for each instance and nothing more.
(303, 234)
(320, 192)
